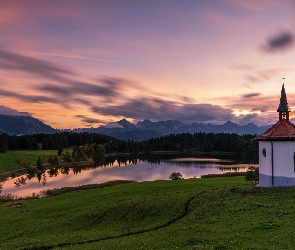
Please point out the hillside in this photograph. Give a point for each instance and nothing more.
(213, 213)
(26, 125)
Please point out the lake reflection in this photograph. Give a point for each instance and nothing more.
(120, 168)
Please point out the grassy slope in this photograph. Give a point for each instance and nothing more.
(223, 213)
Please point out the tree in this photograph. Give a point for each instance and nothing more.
(53, 160)
(3, 143)
(79, 153)
(175, 176)
(252, 174)
(66, 156)
(1, 183)
(59, 151)
(45, 143)
(39, 164)
(99, 152)
(1, 169)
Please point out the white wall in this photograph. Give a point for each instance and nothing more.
(283, 162)
(265, 162)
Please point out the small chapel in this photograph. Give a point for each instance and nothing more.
(277, 150)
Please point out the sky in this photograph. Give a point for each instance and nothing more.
(86, 63)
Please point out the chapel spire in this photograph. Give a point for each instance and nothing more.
(283, 108)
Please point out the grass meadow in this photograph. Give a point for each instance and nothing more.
(210, 213)
(7, 159)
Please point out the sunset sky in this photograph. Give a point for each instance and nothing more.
(85, 63)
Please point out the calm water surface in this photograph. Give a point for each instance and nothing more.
(138, 170)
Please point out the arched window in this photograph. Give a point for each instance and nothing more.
(264, 152)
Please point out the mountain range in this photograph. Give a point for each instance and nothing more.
(123, 129)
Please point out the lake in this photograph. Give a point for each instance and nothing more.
(121, 168)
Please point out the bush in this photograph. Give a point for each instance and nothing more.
(66, 156)
(8, 197)
(252, 174)
(175, 176)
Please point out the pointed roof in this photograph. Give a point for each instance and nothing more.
(282, 130)
(283, 106)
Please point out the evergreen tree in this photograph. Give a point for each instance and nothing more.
(39, 164)
(99, 152)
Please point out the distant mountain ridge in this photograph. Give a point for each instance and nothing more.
(147, 129)
(123, 129)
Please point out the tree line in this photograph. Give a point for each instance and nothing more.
(198, 142)
(205, 142)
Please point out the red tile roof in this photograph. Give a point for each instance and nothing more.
(283, 129)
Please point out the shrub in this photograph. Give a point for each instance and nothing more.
(8, 197)
(66, 156)
(175, 176)
(252, 174)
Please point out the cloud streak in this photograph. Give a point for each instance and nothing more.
(60, 87)
(73, 88)
(72, 56)
(251, 95)
(280, 42)
(89, 120)
(27, 98)
(16, 62)
(156, 109)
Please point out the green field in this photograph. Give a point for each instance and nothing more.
(7, 159)
(213, 213)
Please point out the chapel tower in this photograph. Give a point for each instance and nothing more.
(283, 108)
(277, 150)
